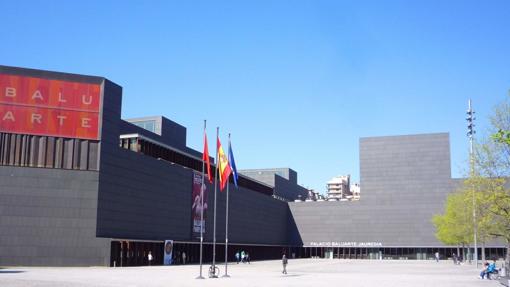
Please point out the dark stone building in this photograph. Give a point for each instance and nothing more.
(79, 186)
(404, 182)
(75, 201)
(282, 180)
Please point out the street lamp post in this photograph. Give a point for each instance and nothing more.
(471, 132)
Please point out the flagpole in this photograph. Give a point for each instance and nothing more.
(202, 211)
(215, 189)
(226, 222)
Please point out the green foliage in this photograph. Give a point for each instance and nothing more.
(502, 137)
(497, 199)
(490, 200)
(454, 227)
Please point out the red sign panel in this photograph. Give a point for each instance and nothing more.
(49, 107)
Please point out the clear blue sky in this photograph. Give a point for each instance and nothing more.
(297, 83)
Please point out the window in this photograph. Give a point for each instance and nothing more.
(48, 152)
(154, 150)
(147, 125)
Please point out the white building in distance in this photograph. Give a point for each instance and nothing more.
(356, 191)
(339, 187)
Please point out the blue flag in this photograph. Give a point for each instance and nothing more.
(232, 162)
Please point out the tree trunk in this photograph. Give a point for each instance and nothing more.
(463, 252)
(469, 253)
(507, 259)
(483, 252)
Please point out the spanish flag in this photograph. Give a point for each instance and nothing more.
(223, 166)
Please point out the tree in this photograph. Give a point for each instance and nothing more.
(492, 164)
(454, 227)
(481, 190)
(501, 124)
(487, 186)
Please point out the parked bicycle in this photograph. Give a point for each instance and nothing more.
(214, 271)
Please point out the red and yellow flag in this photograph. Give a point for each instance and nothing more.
(223, 166)
(205, 158)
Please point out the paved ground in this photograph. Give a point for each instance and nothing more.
(301, 272)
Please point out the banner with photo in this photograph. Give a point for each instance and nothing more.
(196, 205)
(169, 247)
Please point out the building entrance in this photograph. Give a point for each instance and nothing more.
(135, 253)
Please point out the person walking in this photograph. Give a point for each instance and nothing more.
(237, 257)
(183, 258)
(437, 256)
(150, 258)
(284, 262)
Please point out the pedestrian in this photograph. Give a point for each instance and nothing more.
(284, 262)
(485, 271)
(177, 258)
(237, 257)
(491, 269)
(454, 257)
(247, 257)
(169, 254)
(437, 256)
(242, 256)
(149, 257)
(183, 257)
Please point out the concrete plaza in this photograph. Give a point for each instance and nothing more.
(301, 272)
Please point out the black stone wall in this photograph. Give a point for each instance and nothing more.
(48, 217)
(404, 181)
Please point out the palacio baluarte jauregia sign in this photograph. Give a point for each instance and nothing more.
(344, 244)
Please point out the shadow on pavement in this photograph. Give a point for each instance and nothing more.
(504, 280)
(10, 271)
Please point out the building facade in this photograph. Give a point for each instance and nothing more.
(339, 187)
(283, 181)
(405, 181)
(356, 191)
(79, 186)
